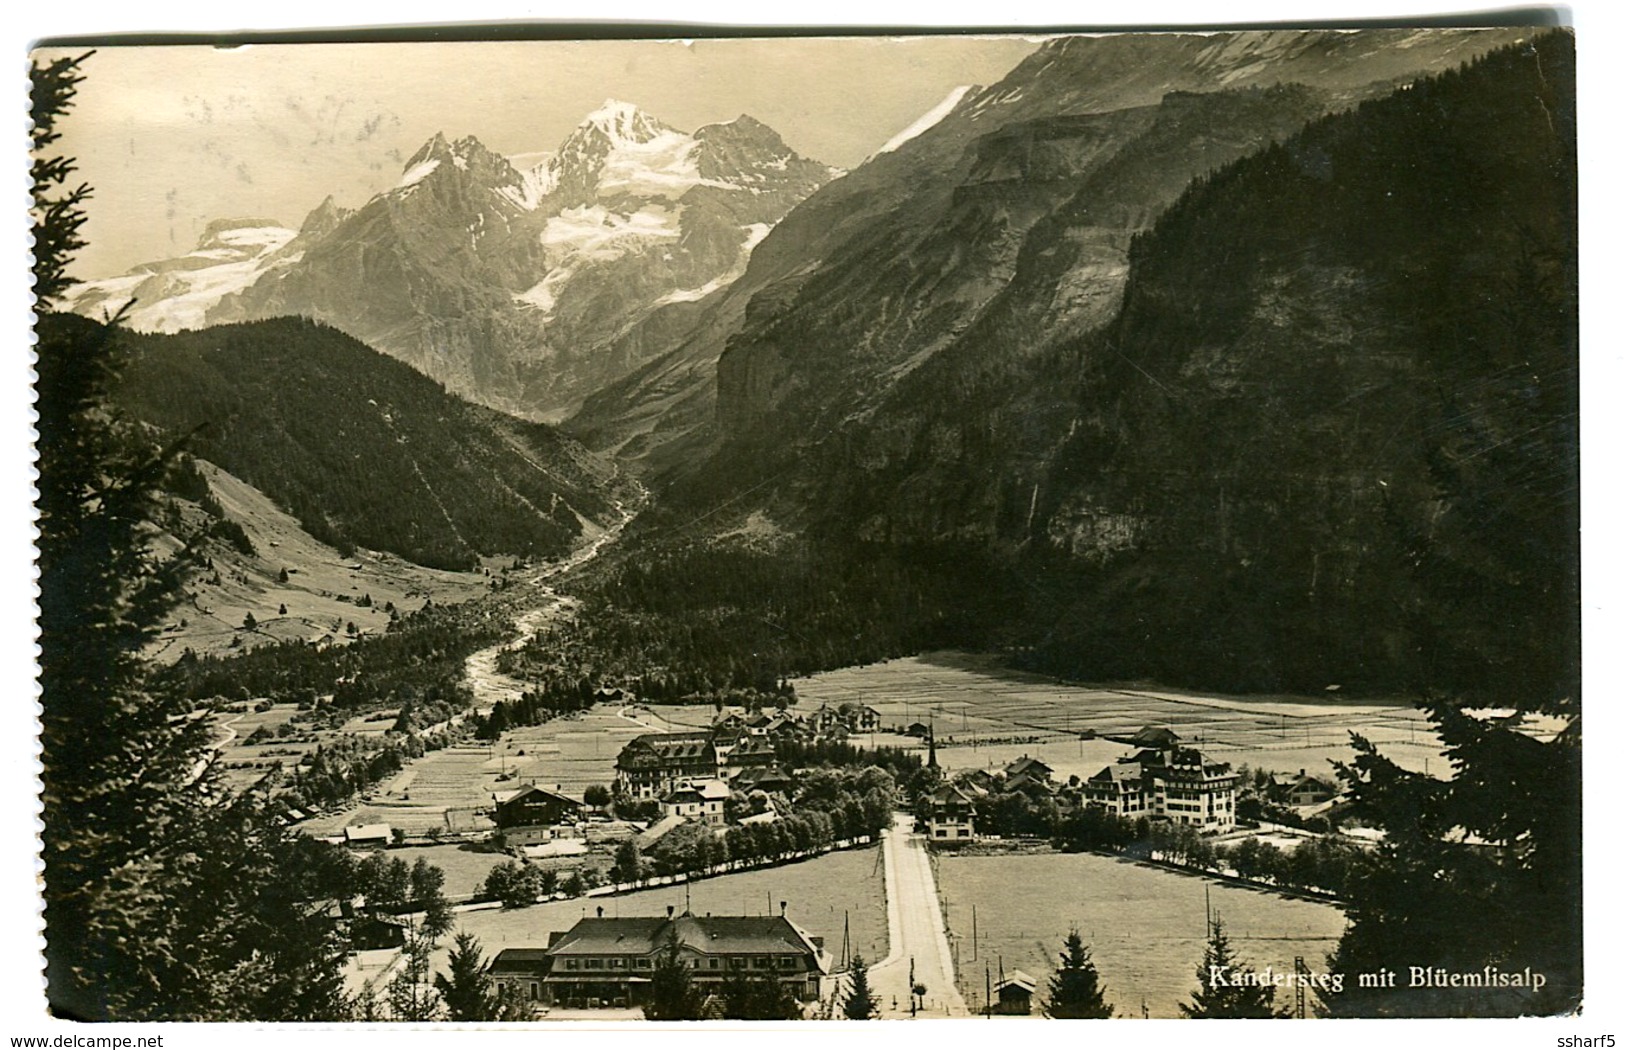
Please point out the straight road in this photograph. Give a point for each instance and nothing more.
(914, 923)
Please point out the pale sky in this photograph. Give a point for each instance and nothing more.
(173, 137)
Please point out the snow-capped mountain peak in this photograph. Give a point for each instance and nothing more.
(171, 295)
(514, 286)
(623, 122)
(474, 165)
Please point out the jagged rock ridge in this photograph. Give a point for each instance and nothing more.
(510, 286)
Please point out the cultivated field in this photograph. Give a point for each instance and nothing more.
(986, 715)
(242, 763)
(1145, 927)
(569, 753)
(823, 894)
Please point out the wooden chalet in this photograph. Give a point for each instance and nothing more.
(1303, 788)
(367, 836)
(771, 779)
(535, 806)
(1160, 738)
(1027, 766)
(750, 752)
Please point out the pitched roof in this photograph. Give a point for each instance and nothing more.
(756, 776)
(698, 791)
(709, 934)
(520, 956)
(536, 789)
(1017, 979)
(659, 748)
(1155, 736)
(610, 936)
(658, 830)
(361, 832)
(1119, 772)
(1028, 765)
(1028, 782)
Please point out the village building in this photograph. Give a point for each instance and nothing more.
(784, 726)
(366, 836)
(611, 961)
(864, 719)
(539, 835)
(844, 720)
(1013, 995)
(1303, 788)
(758, 723)
(1028, 785)
(979, 782)
(950, 815)
(748, 753)
(534, 806)
(1159, 738)
(770, 779)
(1118, 789)
(520, 971)
(700, 801)
(1027, 766)
(1178, 785)
(653, 764)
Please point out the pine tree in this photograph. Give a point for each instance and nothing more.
(411, 996)
(1075, 990)
(672, 995)
(121, 766)
(465, 988)
(137, 832)
(747, 997)
(58, 214)
(859, 1004)
(1226, 986)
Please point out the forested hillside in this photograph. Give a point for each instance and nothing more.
(1328, 437)
(362, 449)
(1332, 436)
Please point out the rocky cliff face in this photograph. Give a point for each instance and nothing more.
(1338, 406)
(884, 374)
(1252, 387)
(425, 271)
(1000, 226)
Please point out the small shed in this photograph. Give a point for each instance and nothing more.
(1014, 994)
(367, 835)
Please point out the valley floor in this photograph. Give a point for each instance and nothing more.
(986, 716)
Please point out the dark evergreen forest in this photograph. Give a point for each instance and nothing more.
(362, 449)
